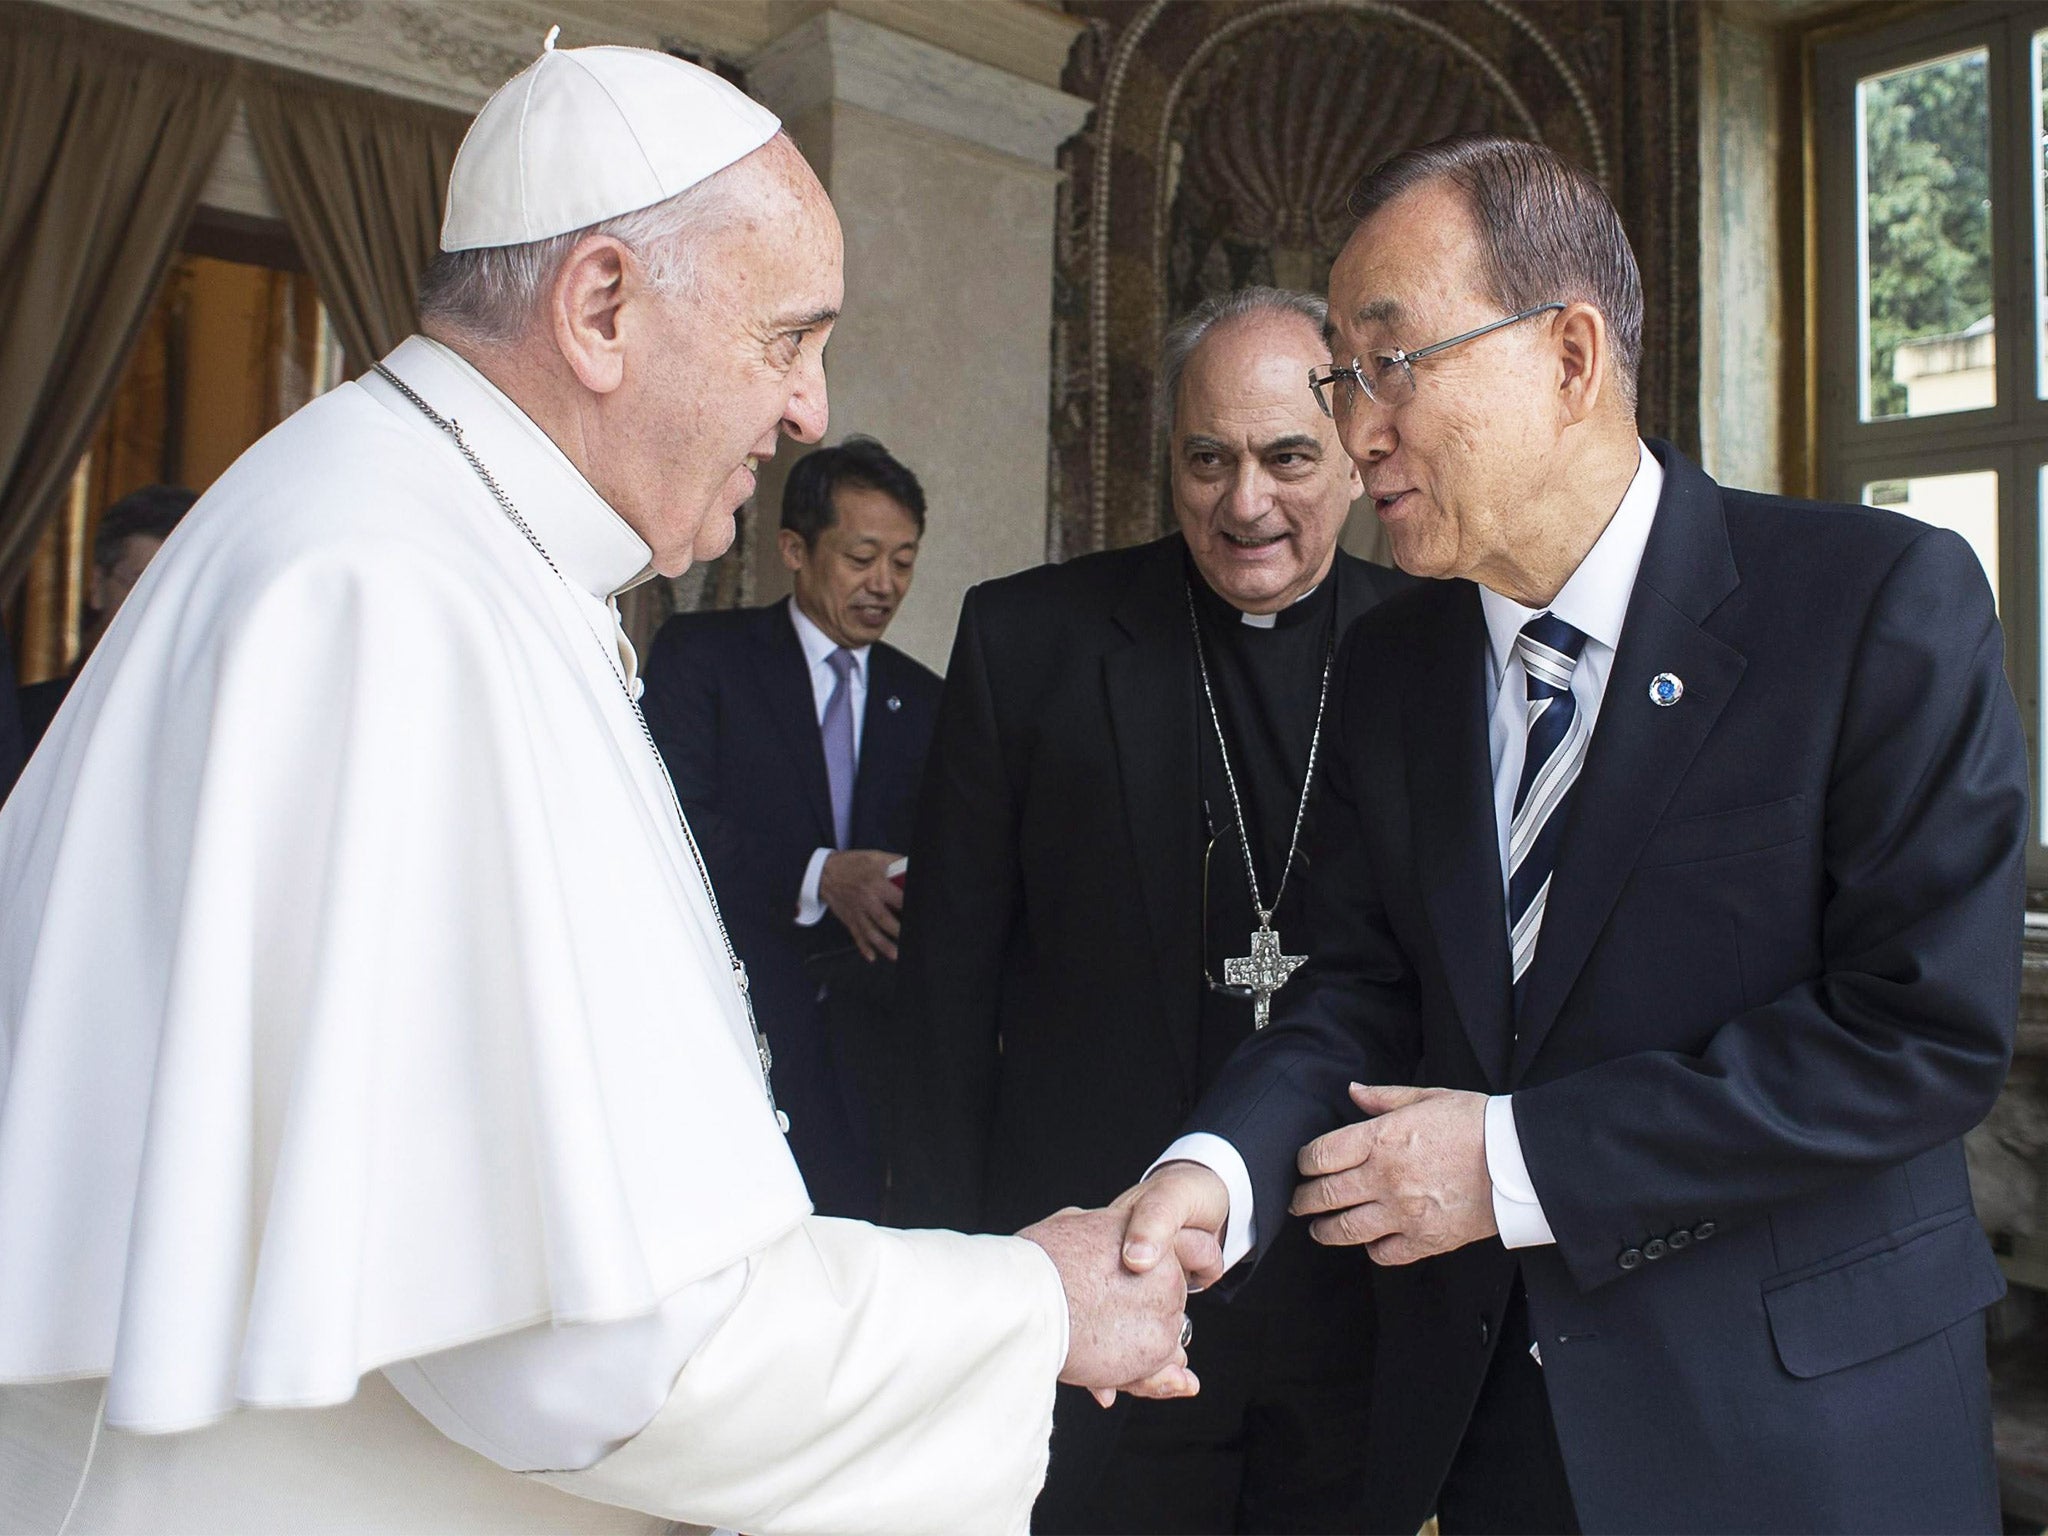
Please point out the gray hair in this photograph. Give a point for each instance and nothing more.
(1546, 231)
(491, 294)
(1188, 333)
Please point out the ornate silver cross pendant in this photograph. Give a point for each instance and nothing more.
(1265, 971)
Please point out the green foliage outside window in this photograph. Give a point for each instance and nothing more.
(1928, 192)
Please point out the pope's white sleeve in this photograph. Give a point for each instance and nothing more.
(564, 1397)
(870, 1382)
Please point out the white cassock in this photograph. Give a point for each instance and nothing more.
(369, 1055)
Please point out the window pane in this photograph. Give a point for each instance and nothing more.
(1967, 503)
(1924, 238)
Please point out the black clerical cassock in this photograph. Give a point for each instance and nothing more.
(1077, 881)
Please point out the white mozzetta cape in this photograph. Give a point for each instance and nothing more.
(358, 995)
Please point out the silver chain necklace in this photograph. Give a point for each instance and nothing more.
(1266, 969)
(739, 971)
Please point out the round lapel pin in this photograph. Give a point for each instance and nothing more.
(1666, 689)
(894, 703)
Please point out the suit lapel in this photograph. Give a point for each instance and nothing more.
(1152, 718)
(879, 730)
(785, 688)
(1450, 786)
(1639, 751)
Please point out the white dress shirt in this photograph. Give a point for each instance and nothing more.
(818, 648)
(1594, 600)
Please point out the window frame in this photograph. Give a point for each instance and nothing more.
(2009, 437)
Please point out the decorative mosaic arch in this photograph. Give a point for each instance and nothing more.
(1228, 135)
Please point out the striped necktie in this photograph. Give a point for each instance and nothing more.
(1549, 650)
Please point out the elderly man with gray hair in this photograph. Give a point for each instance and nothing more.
(371, 1042)
(1106, 893)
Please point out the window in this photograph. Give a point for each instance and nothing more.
(1932, 202)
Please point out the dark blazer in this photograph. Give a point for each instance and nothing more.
(1776, 983)
(39, 703)
(730, 704)
(13, 748)
(1051, 978)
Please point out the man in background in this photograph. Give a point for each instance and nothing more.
(1080, 893)
(131, 531)
(796, 739)
(12, 752)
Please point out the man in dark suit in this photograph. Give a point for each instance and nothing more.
(1673, 852)
(12, 751)
(796, 739)
(1079, 894)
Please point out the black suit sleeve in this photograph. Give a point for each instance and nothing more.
(960, 902)
(1351, 1016)
(1901, 1042)
(12, 750)
(758, 872)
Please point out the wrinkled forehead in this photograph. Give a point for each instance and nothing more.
(1408, 271)
(1251, 378)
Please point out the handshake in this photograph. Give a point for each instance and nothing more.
(1408, 1181)
(1128, 1270)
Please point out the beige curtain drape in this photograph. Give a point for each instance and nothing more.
(359, 178)
(104, 144)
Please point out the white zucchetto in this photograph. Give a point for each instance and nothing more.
(585, 134)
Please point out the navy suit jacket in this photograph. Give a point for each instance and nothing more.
(730, 704)
(1776, 983)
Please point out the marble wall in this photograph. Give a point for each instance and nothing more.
(1741, 254)
(941, 169)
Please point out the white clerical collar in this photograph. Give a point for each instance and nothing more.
(589, 542)
(1270, 620)
(1595, 599)
(818, 645)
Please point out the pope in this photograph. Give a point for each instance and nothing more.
(385, 1138)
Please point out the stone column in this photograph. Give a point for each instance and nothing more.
(942, 169)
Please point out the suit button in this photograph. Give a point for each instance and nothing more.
(1679, 1239)
(1632, 1258)
(1655, 1248)
(1703, 1231)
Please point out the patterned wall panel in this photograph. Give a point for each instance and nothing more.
(1228, 135)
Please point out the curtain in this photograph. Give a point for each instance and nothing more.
(105, 142)
(359, 178)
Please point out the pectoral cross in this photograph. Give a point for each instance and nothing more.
(1265, 971)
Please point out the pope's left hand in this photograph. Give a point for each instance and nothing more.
(1408, 1183)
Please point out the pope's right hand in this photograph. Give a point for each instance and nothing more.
(1123, 1328)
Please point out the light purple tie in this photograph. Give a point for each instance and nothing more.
(838, 731)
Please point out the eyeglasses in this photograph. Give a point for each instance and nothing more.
(1386, 378)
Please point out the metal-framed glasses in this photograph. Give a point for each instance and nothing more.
(1388, 378)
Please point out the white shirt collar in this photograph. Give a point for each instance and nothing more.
(818, 645)
(1595, 598)
(589, 542)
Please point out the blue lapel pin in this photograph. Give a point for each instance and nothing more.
(894, 703)
(1666, 689)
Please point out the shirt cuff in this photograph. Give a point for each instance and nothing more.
(810, 910)
(1227, 1163)
(1516, 1210)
